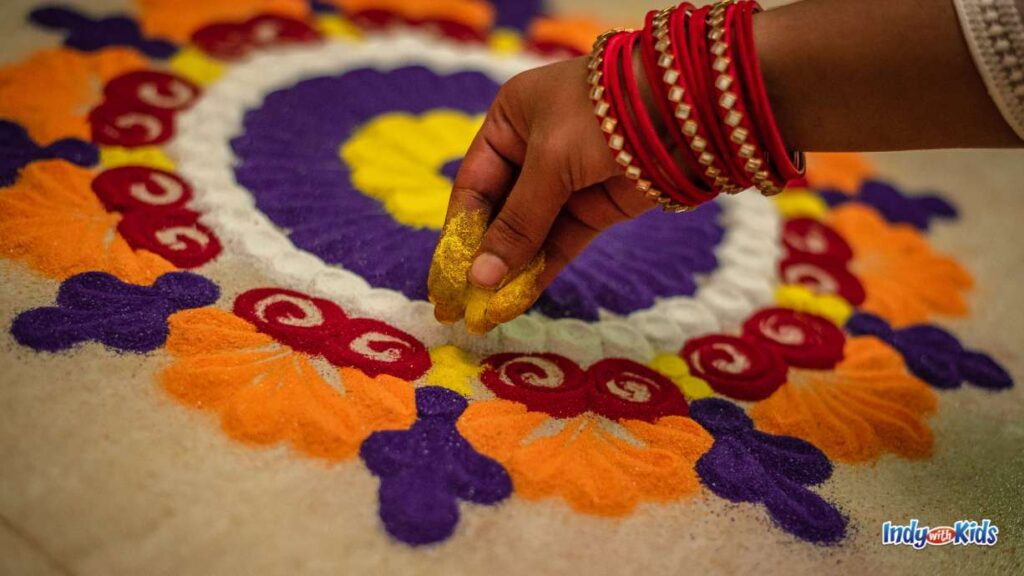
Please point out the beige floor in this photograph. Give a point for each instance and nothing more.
(101, 474)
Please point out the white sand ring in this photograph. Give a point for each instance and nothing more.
(743, 282)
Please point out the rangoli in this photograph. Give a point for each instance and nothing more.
(764, 343)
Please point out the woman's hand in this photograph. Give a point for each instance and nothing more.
(537, 184)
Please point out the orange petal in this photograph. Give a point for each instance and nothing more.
(868, 405)
(51, 93)
(905, 281)
(266, 392)
(592, 469)
(844, 171)
(51, 221)
(497, 428)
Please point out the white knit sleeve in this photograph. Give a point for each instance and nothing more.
(994, 30)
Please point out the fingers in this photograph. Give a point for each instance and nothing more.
(587, 213)
(487, 172)
(517, 233)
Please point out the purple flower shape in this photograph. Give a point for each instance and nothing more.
(89, 35)
(289, 161)
(424, 471)
(97, 306)
(895, 206)
(746, 465)
(17, 150)
(933, 354)
(517, 13)
(321, 7)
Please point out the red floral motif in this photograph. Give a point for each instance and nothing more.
(823, 277)
(384, 19)
(377, 348)
(155, 217)
(622, 388)
(615, 387)
(735, 367)
(318, 326)
(234, 40)
(817, 257)
(803, 340)
(810, 239)
(139, 107)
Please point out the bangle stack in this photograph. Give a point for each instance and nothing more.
(705, 78)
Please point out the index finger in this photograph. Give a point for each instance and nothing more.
(487, 173)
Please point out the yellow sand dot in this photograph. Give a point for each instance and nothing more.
(676, 370)
(803, 299)
(453, 369)
(195, 66)
(152, 156)
(800, 203)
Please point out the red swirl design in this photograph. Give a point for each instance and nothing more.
(735, 367)
(318, 326)
(293, 318)
(812, 239)
(803, 340)
(377, 348)
(176, 235)
(155, 217)
(116, 125)
(234, 40)
(140, 188)
(543, 382)
(148, 90)
(822, 277)
(378, 19)
(621, 388)
(138, 108)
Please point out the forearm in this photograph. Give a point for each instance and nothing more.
(865, 75)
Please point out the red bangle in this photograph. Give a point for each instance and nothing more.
(704, 95)
(677, 101)
(613, 82)
(696, 128)
(605, 111)
(659, 78)
(729, 102)
(680, 188)
(785, 166)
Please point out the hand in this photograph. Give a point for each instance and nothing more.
(536, 186)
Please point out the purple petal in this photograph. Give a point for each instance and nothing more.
(803, 513)
(981, 370)
(416, 509)
(793, 458)
(720, 417)
(864, 324)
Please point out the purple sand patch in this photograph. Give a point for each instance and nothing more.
(517, 13)
(895, 206)
(17, 150)
(288, 159)
(451, 168)
(96, 306)
(746, 465)
(424, 471)
(89, 35)
(933, 354)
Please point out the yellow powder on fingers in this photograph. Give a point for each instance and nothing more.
(447, 283)
(477, 320)
(518, 295)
